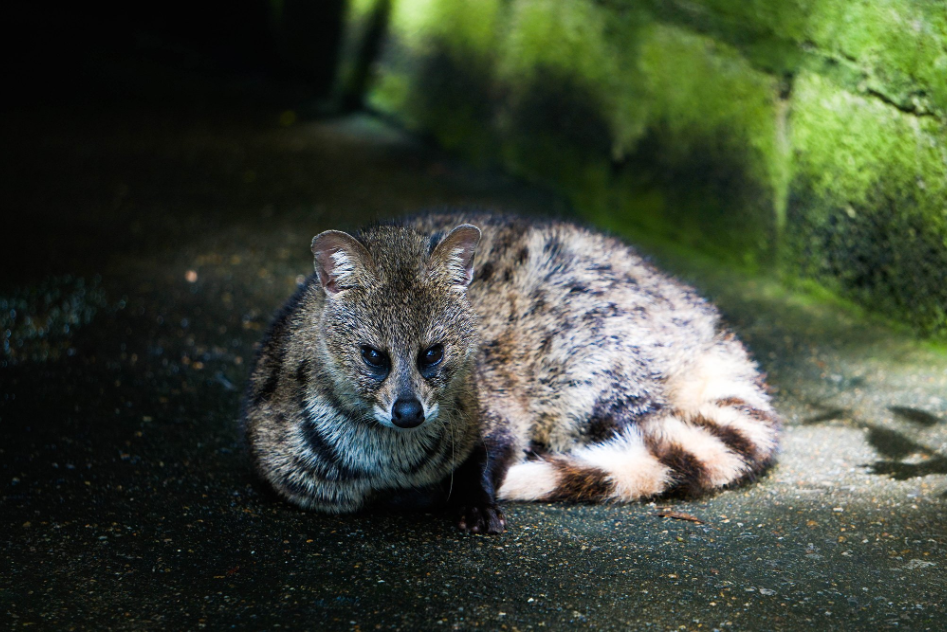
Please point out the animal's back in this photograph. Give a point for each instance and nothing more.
(605, 378)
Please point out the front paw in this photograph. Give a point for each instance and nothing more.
(482, 519)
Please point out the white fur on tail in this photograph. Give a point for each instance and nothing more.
(718, 430)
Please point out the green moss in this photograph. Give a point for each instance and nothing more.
(664, 128)
(710, 168)
(563, 116)
(845, 144)
(867, 202)
(766, 33)
(462, 27)
(360, 10)
(896, 48)
(555, 131)
(901, 45)
(694, 83)
(436, 73)
(594, 49)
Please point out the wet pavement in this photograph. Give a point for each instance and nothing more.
(148, 240)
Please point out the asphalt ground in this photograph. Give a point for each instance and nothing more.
(153, 224)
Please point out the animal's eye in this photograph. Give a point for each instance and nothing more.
(431, 356)
(374, 358)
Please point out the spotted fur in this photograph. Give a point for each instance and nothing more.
(572, 370)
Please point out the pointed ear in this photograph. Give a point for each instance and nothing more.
(341, 261)
(452, 259)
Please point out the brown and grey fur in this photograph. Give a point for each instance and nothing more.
(572, 370)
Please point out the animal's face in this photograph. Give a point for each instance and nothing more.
(401, 351)
(397, 323)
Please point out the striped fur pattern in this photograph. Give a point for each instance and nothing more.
(572, 370)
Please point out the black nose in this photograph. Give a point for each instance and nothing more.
(407, 413)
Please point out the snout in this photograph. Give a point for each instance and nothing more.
(407, 413)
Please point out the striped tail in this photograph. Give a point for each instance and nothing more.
(718, 430)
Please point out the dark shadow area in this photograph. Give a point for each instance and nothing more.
(559, 107)
(905, 471)
(60, 45)
(138, 77)
(893, 445)
(915, 416)
(308, 36)
(833, 414)
(716, 206)
(70, 53)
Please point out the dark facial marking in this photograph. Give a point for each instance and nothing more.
(326, 462)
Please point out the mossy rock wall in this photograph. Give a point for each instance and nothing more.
(806, 135)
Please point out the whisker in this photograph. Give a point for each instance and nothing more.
(453, 458)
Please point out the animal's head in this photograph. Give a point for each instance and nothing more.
(396, 323)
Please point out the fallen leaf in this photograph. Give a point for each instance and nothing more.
(677, 515)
